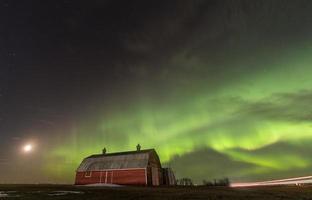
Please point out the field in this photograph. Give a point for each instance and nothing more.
(42, 192)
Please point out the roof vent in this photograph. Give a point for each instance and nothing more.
(104, 151)
(138, 147)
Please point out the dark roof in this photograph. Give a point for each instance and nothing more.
(121, 153)
(119, 160)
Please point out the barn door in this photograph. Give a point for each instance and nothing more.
(155, 176)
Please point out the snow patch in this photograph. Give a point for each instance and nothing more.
(102, 185)
(3, 194)
(62, 193)
(8, 194)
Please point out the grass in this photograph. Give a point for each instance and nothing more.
(42, 192)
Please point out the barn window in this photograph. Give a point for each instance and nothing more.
(88, 174)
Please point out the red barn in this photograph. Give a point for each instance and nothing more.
(141, 167)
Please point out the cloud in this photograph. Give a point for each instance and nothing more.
(208, 164)
(286, 159)
(253, 140)
(294, 107)
(278, 160)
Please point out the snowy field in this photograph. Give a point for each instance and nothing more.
(43, 192)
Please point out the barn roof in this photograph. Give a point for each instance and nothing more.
(119, 160)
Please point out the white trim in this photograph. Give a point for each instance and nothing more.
(112, 177)
(87, 175)
(101, 177)
(106, 177)
(146, 176)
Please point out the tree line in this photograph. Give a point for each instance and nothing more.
(216, 182)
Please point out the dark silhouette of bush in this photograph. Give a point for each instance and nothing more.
(217, 182)
(185, 182)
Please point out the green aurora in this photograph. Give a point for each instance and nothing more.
(239, 121)
(220, 88)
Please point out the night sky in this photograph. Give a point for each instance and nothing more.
(220, 88)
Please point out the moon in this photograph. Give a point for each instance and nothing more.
(27, 148)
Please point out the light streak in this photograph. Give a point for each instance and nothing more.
(288, 181)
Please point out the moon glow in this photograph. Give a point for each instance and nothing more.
(27, 148)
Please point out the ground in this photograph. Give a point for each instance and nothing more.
(42, 192)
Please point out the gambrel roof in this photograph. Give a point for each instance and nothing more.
(119, 160)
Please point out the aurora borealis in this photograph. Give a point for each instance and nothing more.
(218, 88)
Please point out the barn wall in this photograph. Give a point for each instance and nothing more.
(122, 177)
(168, 176)
(81, 178)
(155, 170)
